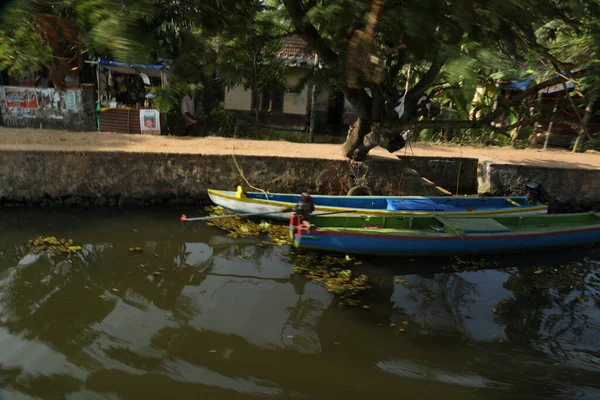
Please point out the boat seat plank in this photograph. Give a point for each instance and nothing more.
(476, 225)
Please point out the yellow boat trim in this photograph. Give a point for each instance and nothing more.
(245, 199)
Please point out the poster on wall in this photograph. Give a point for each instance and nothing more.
(20, 97)
(150, 122)
(70, 100)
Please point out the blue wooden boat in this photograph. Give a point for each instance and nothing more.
(444, 236)
(271, 203)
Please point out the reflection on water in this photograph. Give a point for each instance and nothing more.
(200, 315)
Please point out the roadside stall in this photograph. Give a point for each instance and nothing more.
(126, 97)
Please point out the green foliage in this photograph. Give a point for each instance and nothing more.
(247, 56)
(22, 48)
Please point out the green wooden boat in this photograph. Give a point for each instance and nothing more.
(444, 235)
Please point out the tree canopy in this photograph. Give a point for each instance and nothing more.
(389, 58)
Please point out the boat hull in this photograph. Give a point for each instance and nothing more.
(449, 245)
(249, 205)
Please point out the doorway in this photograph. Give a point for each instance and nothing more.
(335, 107)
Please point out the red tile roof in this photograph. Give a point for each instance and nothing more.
(294, 46)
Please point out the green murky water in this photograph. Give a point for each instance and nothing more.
(226, 319)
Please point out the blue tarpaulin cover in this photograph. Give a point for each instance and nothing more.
(133, 69)
(417, 205)
(125, 65)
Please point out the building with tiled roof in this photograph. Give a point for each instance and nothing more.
(290, 109)
(294, 49)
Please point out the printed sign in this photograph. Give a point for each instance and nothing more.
(70, 100)
(20, 97)
(150, 122)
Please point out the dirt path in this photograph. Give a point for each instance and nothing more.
(35, 139)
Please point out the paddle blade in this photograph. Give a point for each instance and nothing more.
(183, 220)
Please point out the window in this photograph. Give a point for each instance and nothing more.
(271, 101)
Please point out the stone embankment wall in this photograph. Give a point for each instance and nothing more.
(50, 178)
(105, 178)
(458, 175)
(569, 189)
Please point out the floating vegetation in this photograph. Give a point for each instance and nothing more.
(333, 272)
(243, 227)
(136, 249)
(461, 265)
(53, 246)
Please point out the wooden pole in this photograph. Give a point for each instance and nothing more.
(313, 104)
(586, 119)
(551, 123)
(581, 123)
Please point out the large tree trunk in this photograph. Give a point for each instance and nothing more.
(354, 147)
(362, 137)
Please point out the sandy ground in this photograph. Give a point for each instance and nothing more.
(35, 139)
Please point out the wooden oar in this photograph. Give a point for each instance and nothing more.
(184, 220)
(335, 212)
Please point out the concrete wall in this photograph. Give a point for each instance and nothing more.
(238, 99)
(569, 189)
(106, 178)
(349, 116)
(69, 110)
(296, 103)
(451, 173)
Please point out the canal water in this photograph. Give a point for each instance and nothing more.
(198, 315)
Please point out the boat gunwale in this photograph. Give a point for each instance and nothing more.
(451, 236)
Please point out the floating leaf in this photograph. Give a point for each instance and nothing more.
(332, 272)
(53, 246)
(238, 227)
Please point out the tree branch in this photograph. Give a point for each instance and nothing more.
(426, 80)
(452, 124)
(309, 33)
